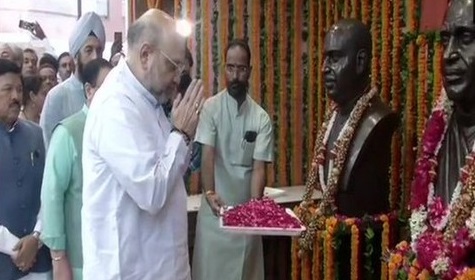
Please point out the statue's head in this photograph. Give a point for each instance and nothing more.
(458, 38)
(347, 60)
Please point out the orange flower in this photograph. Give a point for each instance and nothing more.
(413, 271)
(332, 221)
(416, 264)
(397, 259)
(424, 275)
(402, 245)
(354, 252)
(468, 274)
(349, 221)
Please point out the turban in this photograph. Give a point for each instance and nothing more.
(89, 23)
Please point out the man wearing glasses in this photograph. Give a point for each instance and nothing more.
(134, 217)
(237, 142)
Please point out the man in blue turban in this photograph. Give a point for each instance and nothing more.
(85, 44)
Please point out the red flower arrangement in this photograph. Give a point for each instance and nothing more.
(442, 234)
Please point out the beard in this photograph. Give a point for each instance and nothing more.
(237, 88)
(80, 66)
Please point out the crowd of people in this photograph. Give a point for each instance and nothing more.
(95, 156)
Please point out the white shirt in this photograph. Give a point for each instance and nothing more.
(134, 213)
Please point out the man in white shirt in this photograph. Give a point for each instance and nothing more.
(134, 218)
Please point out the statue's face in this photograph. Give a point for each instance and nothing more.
(339, 65)
(458, 38)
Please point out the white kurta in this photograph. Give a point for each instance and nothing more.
(219, 255)
(134, 200)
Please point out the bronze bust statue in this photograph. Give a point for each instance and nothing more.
(363, 185)
(458, 67)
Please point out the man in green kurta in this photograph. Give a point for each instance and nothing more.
(237, 142)
(61, 195)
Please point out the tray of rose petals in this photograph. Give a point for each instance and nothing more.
(260, 217)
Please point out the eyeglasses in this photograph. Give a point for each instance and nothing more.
(178, 67)
(232, 68)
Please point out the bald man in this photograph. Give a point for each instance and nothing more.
(134, 217)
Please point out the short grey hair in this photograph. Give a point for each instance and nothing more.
(141, 30)
(16, 51)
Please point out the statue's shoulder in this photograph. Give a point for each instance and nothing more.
(374, 133)
(378, 113)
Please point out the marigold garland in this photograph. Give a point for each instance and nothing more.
(385, 51)
(295, 266)
(313, 62)
(306, 265)
(239, 20)
(256, 56)
(355, 9)
(347, 9)
(223, 30)
(283, 94)
(384, 246)
(329, 252)
(375, 33)
(321, 89)
(328, 13)
(396, 103)
(206, 30)
(437, 67)
(297, 94)
(335, 11)
(317, 257)
(365, 11)
(409, 108)
(355, 246)
(269, 74)
(422, 59)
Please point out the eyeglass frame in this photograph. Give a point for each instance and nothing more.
(178, 68)
(239, 69)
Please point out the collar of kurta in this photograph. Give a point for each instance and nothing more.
(75, 81)
(135, 84)
(85, 109)
(232, 104)
(9, 129)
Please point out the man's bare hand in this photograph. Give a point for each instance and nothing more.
(26, 249)
(215, 202)
(62, 268)
(186, 109)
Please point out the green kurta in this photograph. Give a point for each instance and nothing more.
(220, 255)
(61, 195)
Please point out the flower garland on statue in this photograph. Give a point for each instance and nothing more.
(442, 235)
(316, 179)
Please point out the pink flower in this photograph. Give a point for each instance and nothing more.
(433, 133)
(420, 185)
(461, 246)
(429, 247)
(437, 211)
